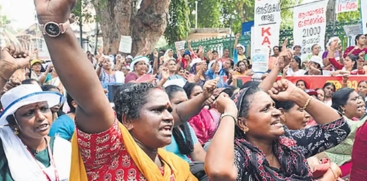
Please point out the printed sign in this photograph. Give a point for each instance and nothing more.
(260, 59)
(125, 44)
(180, 45)
(267, 23)
(346, 6)
(310, 25)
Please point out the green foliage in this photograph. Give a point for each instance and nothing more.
(235, 12)
(3, 19)
(209, 13)
(178, 25)
(348, 16)
(81, 12)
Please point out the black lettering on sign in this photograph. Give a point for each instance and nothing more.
(307, 32)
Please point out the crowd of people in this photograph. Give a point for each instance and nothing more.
(178, 114)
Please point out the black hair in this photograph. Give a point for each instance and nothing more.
(48, 87)
(362, 81)
(298, 60)
(238, 63)
(354, 59)
(244, 106)
(306, 86)
(70, 100)
(329, 83)
(129, 98)
(250, 84)
(313, 46)
(231, 89)
(172, 89)
(285, 105)
(186, 146)
(340, 98)
(30, 81)
(188, 88)
(214, 51)
(357, 38)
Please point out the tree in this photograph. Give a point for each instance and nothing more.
(82, 15)
(235, 12)
(122, 17)
(178, 25)
(208, 13)
(3, 19)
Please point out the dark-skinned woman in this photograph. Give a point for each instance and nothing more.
(263, 149)
(107, 144)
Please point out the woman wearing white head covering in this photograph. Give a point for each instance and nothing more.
(106, 73)
(26, 150)
(167, 56)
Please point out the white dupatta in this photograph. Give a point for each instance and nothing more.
(23, 166)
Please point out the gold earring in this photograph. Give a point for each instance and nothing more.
(16, 132)
(245, 130)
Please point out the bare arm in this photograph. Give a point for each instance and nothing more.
(94, 113)
(184, 111)
(219, 160)
(199, 153)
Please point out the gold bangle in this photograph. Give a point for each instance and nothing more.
(307, 103)
(224, 115)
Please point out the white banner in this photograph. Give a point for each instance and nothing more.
(267, 23)
(346, 6)
(310, 25)
(364, 15)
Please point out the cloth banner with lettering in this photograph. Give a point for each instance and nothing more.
(310, 25)
(314, 82)
(364, 15)
(267, 23)
(342, 6)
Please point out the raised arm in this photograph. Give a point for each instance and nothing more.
(284, 90)
(9, 65)
(220, 158)
(94, 113)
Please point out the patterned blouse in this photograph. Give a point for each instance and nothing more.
(106, 158)
(309, 142)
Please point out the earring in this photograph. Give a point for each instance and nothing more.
(245, 130)
(16, 132)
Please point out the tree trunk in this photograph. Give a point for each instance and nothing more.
(114, 19)
(119, 17)
(330, 17)
(148, 24)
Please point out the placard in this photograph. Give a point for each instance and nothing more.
(310, 25)
(267, 23)
(260, 59)
(352, 30)
(125, 44)
(342, 6)
(180, 45)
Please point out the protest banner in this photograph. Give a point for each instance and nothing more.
(310, 25)
(267, 23)
(315, 81)
(342, 6)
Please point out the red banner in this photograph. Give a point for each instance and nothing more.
(314, 82)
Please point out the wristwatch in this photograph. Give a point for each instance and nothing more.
(53, 29)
